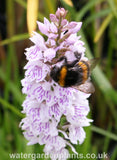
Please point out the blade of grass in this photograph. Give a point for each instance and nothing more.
(17, 135)
(113, 7)
(96, 15)
(11, 107)
(12, 62)
(13, 88)
(51, 6)
(104, 132)
(87, 7)
(10, 33)
(111, 47)
(104, 25)
(15, 38)
(7, 127)
(107, 139)
(2, 53)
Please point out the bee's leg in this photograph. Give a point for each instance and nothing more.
(77, 55)
(62, 58)
(70, 65)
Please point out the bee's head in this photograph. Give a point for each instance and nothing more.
(55, 73)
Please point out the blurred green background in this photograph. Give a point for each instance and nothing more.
(99, 32)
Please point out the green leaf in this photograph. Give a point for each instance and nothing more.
(13, 88)
(11, 107)
(15, 38)
(87, 7)
(104, 132)
(51, 5)
(113, 7)
(96, 15)
(104, 25)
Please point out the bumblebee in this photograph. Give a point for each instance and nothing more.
(74, 74)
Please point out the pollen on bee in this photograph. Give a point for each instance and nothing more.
(63, 73)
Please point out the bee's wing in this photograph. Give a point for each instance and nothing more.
(87, 87)
(92, 63)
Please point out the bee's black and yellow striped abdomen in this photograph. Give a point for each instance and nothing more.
(62, 76)
(77, 76)
(85, 70)
(74, 73)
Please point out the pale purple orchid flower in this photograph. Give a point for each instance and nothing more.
(47, 104)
